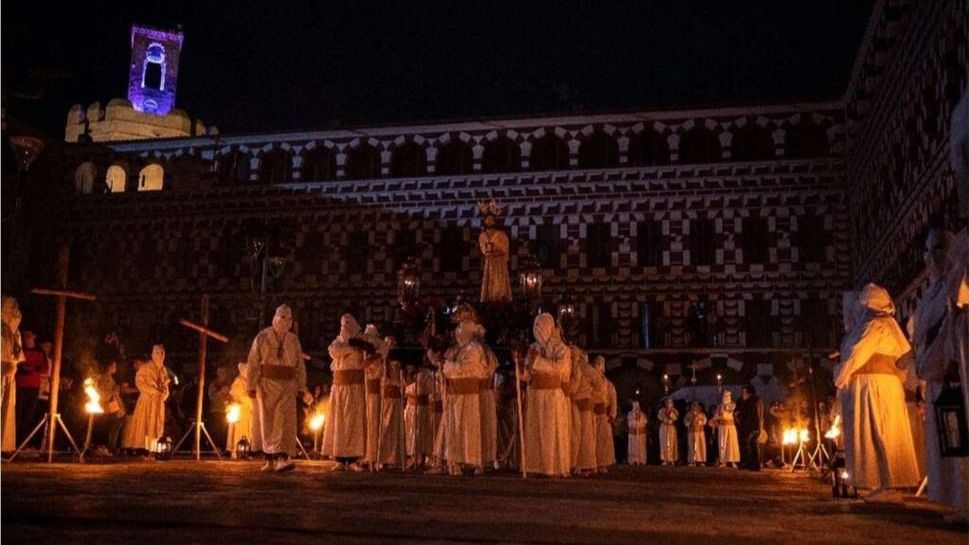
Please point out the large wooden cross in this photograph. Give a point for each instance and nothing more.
(204, 334)
(62, 294)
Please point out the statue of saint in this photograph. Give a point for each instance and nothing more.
(493, 243)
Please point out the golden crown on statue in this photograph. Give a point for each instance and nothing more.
(490, 208)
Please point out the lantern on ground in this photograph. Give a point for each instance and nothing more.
(950, 418)
(164, 448)
(408, 283)
(243, 448)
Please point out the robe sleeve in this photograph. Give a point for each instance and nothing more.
(859, 354)
(144, 382)
(550, 359)
(255, 365)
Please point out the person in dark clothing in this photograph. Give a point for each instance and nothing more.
(750, 422)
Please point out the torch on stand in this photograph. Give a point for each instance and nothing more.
(92, 407)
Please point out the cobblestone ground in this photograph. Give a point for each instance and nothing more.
(232, 502)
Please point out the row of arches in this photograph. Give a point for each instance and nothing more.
(598, 149)
(87, 179)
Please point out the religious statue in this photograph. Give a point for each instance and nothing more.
(493, 243)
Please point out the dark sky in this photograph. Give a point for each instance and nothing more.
(249, 66)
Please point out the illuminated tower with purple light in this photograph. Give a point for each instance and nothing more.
(154, 69)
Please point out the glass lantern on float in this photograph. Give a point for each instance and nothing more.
(164, 448)
(408, 284)
(530, 280)
(950, 418)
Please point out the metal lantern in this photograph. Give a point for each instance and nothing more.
(567, 310)
(163, 448)
(950, 418)
(408, 283)
(530, 278)
(243, 448)
(27, 148)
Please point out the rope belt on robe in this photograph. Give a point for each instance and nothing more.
(487, 384)
(599, 408)
(584, 405)
(418, 400)
(278, 372)
(391, 392)
(463, 386)
(545, 382)
(348, 377)
(373, 386)
(641, 430)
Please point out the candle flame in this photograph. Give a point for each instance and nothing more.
(233, 412)
(93, 405)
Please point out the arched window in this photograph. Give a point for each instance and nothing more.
(234, 168)
(84, 177)
(275, 167)
(153, 75)
(549, 153)
(598, 150)
(647, 149)
(116, 179)
(699, 145)
(805, 140)
(454, 158)
(363, 162)
(151, 178)
(319, 164)
(752, 143)
(408, 160)
(501, 155)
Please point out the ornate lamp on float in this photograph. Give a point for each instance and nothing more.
(530, 281)
(408, 283)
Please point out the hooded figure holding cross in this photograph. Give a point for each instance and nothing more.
(276, 376)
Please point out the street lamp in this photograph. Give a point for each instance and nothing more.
(530, 279)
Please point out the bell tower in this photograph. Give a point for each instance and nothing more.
(154, 69)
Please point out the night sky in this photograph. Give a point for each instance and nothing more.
(251, 67)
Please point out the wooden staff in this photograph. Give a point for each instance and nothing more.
(521, 427)
(62, 294)
(204, 333)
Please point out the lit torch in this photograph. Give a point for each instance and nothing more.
(835, 430)
(92, 407)
(232, 413)
(316, 424)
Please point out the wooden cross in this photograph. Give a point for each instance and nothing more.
(62, 294)
(204, 334)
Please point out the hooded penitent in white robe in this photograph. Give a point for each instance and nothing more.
(548, 432)
(464, 371)
(391, 418)
(636, 426)
(373, 372)
(727, 443)
(278, 375)
(13, 354)
(147, 423)
(879, 452)
(489, 412)
(345, 432)
(244, 427)
(417, 415)
(583, 419)
(946, 475)
(668, 440)
(696, 440)
(604, 411)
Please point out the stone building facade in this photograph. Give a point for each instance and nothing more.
(722, 236)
